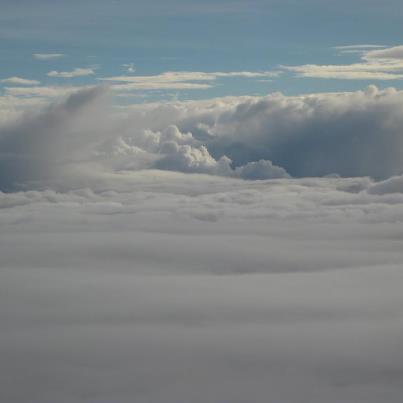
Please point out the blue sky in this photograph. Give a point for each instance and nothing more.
(210, 36)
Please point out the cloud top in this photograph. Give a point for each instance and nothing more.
(277, 136)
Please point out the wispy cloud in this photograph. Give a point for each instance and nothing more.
(160, 86)
(77, 72)
(129, 67)
(42, 91)
(357, 48)
(47, 56)
(179, 79)
(376, 64)
(19, 81)
(181, 76)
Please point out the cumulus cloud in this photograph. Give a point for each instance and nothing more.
(77, 72)
(261, 169)
(351, 134)
(313, 135)
(186, 158)
(19, 81)
(277, 136)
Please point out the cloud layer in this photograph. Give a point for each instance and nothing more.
(198, 288)
(163, 253)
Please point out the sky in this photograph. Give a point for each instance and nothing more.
(101, 39)
(201, 202)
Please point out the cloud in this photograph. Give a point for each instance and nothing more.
(36, 147)
(159, 86)
(54, 91)
(48, 56)
(179, 79)
(246, 291)
(183, 76)
(395, 52)
(77, 72)
(354, 134)
(129, 67)
(11, 106)
(393, 184)
(346, 72)
(173, 150)
(376, 64)
(312, 135)
(362, 48)
(19, 81)
(261, 169)
(186, 158)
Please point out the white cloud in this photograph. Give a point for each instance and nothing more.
(310, 135)
(186, 158)
(11, 106)
(47, 56)
(159, 86)
(183, 76)
(77, 72)
(129, 67)
(261, 169)
(362, 48)
(376, 64)
(118, 279)
(179, 79)
(19, 81)
(346, 72)
(55, 91)
(245, 291)
(395, 52)
(348, 134)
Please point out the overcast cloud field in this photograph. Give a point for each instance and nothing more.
(201, 202)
